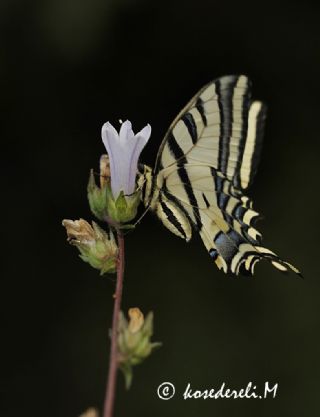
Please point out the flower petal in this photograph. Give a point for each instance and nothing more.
(111, 141)
(145, 133)
(141, 139)
(126, 133)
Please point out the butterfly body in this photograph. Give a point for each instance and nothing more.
(205, 164)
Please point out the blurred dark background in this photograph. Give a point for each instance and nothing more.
(66, 67)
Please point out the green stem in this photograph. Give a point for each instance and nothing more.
(113, 364)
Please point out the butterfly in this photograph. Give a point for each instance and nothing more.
(205, 164)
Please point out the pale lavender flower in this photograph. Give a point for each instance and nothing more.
(124, 149)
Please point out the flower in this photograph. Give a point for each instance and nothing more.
(124, 150)
(96, 246)
(134, 344)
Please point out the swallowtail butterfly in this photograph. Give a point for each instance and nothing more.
(205, 164)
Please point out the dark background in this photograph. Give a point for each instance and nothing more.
(66, 67)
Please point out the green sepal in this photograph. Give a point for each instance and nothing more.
(123, 209)
(97, 198)
(121, 205)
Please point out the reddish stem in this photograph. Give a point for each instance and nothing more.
(113, 364)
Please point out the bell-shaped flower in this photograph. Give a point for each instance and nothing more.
(124, 149)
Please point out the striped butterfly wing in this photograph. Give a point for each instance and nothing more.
(213, 130)
(251, 147)
(224, 221)
(208, 158)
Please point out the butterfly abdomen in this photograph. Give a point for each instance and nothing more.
(145, 183)
(155, 196)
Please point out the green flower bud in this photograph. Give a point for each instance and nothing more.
(134, 343)
(102, 203)
(96, 246)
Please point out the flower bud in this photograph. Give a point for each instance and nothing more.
(134, 343)
(96, 246)
(91, 412)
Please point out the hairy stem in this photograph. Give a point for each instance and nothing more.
(113, 364)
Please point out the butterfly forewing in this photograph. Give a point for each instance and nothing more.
(253, 144)
(212, 128)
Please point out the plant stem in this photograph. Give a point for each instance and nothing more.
(113, 364)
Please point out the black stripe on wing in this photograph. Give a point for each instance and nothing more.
(172, 218)
(183, 174)
(188, 120)
(200, 108)
(224, 96)
(260, 129)
(174, 200)
(251, 152)
(176, 150)
(244, 131)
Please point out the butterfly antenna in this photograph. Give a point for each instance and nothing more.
(139, 220)
(142, 216)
